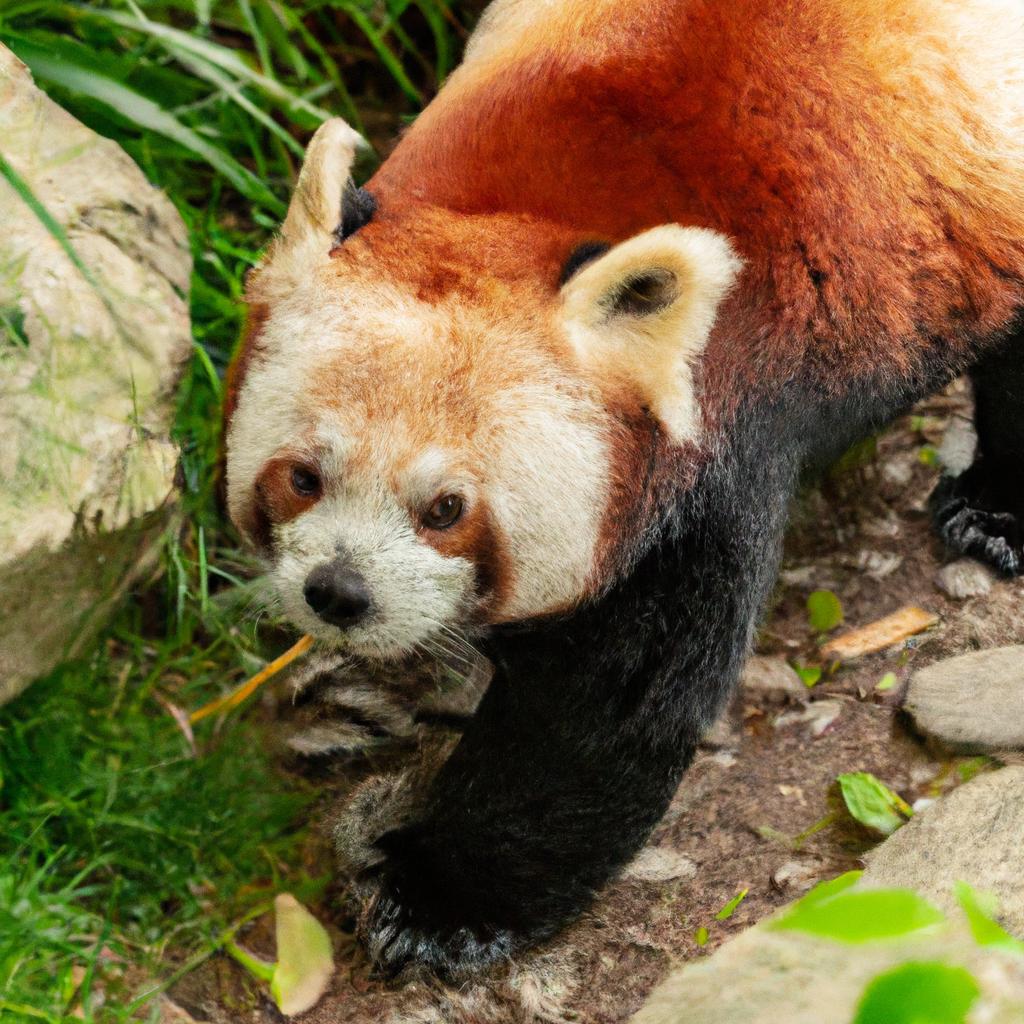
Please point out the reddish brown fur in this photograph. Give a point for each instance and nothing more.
(840, 143)
(775, 123)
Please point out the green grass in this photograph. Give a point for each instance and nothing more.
(124, 854)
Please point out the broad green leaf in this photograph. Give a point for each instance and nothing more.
(144, 113)
(980, 909)
(824, 611)
(872, 803)
(887, 682)
(861, 915)
(730, 908)
(919, 992)
(701, 936)
(305, 960)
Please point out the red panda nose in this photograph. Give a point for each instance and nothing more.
(337, 593)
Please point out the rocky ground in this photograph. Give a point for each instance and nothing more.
(759, 812)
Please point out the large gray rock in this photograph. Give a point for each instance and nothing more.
(765, 976)
(91, 344)
(972, 702)
(974, 835)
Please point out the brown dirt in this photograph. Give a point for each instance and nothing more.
(752, 796)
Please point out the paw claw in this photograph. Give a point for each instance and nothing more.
(970, 528)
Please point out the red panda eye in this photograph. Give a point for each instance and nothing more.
(304, 481)
(444, 512)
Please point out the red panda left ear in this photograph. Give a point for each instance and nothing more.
(315, 211)
(641, 314)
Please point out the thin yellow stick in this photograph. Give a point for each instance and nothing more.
(250, 686)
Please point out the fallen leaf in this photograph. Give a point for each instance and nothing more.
(305, 959)
(824, 611)
(872, 803)
(883, 633)
(730, 908)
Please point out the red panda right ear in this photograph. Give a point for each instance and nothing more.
(641, 314)
(324, 188)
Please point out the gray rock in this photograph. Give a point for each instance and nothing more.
(766, 976)
(797, 876)
(972, 702)
(772, 678)
(660, 864)
(975, 835)
(87, 367)
(965, 578)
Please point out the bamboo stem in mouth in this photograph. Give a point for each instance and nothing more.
(250, 686)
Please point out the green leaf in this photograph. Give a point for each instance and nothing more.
(730, 908)
(305, 960)
(980, 909)
(887, 682)
(824, 611)
(701, 936)
(872, 803)
(859, 915)
(921, 992)
(810, 675)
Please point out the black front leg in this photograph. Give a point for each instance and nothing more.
(583, 735)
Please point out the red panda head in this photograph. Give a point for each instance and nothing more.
(431, 420)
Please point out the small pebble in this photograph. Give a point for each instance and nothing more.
(772, 678)
(796, 875)
(964, 578)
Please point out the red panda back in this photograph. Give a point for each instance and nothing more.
(866, 155)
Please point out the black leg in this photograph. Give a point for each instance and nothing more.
(584, 733)
(981, 512)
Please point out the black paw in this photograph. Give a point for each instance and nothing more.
(402, 935)
(970, 523)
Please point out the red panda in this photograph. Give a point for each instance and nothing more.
(549, 380)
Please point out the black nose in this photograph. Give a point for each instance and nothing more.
(337, 593)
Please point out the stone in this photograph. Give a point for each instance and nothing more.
(965, 578)
(769, 977)
(797, 876)
(973, 702)
(956, 452)
(772, 678)
(974, 834)
(764, 975)
(660, 864)
(88, 362)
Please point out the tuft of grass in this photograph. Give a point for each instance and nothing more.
(125, 854)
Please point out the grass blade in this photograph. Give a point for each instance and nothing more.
(146, 114)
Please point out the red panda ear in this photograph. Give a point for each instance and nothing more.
(642, 313)
(315, 212)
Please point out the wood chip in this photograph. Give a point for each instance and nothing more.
(877, 636)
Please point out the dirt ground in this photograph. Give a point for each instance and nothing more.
(758, 810)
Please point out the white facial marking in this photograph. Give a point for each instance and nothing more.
(413, 588)
(536, 458)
